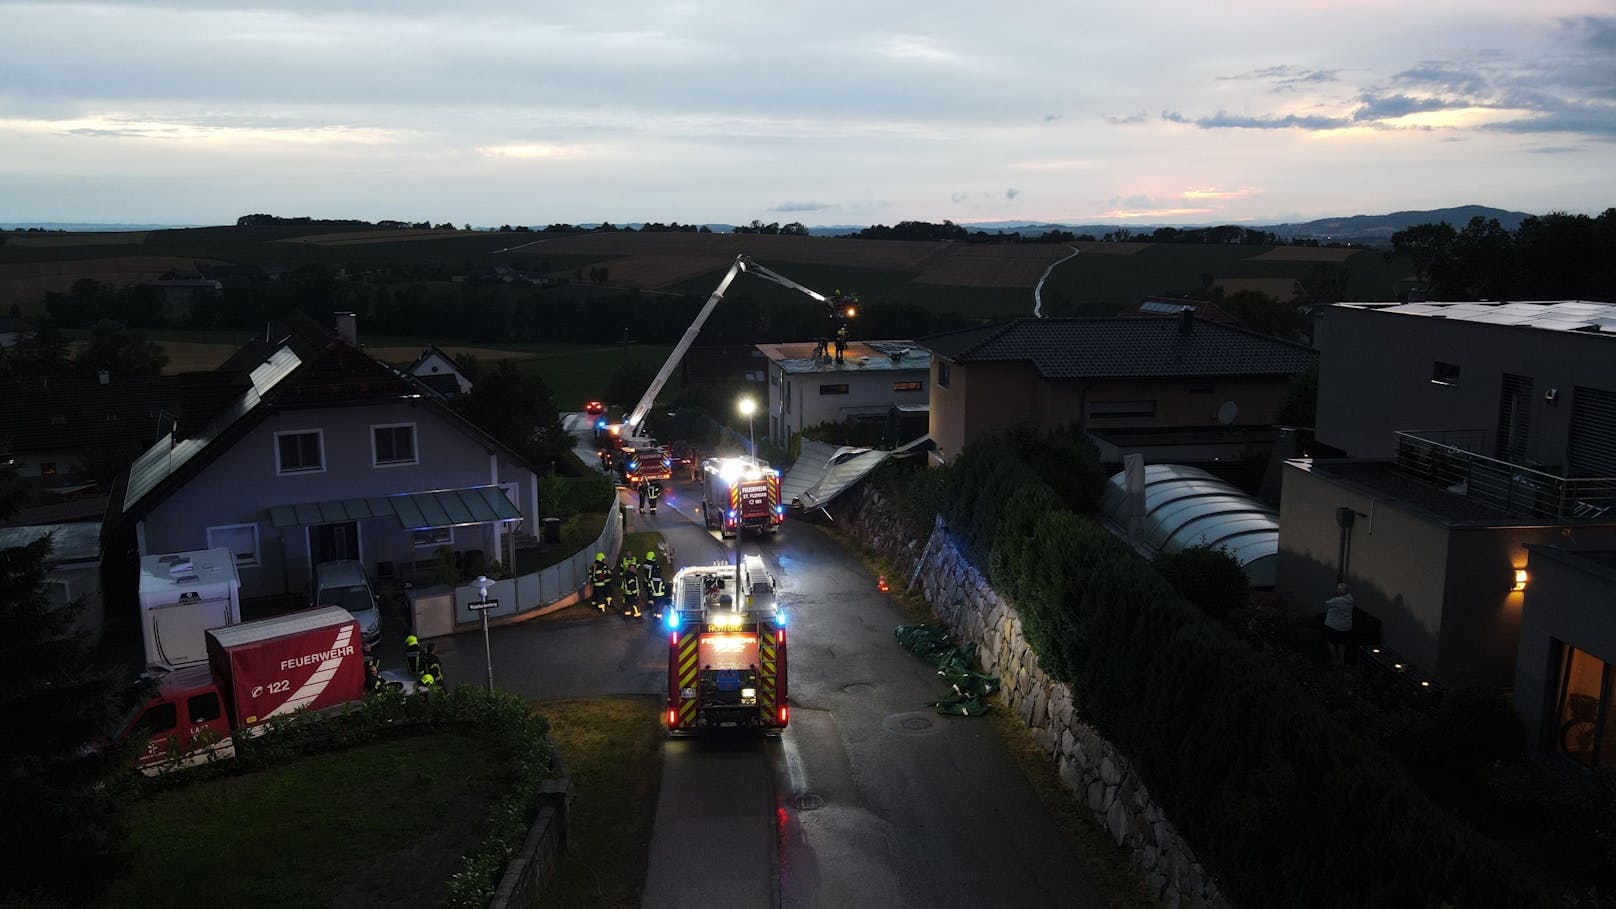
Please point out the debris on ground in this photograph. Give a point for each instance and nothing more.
(933, 644)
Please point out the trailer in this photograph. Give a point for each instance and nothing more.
(726, 650)
(741, 493)
(182, 596)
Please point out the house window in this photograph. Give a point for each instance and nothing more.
(1444, 373)
(1122, 410)
(47, 468)
(434, 536)
(907, 386)
(833, 389)
(1583, 729)
(300, 452)
(942, 375)
(393, 444)
(240, 539)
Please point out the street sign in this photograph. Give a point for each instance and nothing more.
(485, 604)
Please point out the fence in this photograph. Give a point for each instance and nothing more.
(1453, 461)
(555, 586)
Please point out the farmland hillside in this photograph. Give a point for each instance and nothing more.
(977, 280)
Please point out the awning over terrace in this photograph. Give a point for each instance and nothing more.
(414, 510)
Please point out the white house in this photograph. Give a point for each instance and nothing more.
(872, 378)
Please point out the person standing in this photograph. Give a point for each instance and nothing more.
(653, 491)
(628, 580)
(412, 654)
(644, 490)
(841, 342)
(657, 589)
(431, 663)
(600, 582)
(1338, 623)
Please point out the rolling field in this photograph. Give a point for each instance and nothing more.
(992, 281)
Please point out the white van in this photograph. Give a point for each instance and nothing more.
(343, 583)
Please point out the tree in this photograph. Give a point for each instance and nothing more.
(1258, 311)
(62, 832)
(1325, 282)
(1299, 403)
(1427, 246)
(42, 354)
(517, 408)
(1483, 265)
(121, 351)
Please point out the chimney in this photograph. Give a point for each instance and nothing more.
(105, 377)
(348, 328)
(1186, 321)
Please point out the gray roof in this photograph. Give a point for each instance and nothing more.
(1186, 506)
(79, 541)
(1582, 316)
(414, 510)
(861, 356)
(1098, 348)
(824, 471)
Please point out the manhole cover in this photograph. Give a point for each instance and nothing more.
(809, 802)
(858, 688)
(913, 724)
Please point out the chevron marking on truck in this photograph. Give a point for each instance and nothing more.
(766, 670)
(331, 662)
(689, 648)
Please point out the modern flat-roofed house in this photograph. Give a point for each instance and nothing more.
(872, 378)
(1177, 389)
(1477, 435)
(325, 454)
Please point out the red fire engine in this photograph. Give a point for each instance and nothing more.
(726, 650)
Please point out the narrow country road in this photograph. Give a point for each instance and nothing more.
(869, 798)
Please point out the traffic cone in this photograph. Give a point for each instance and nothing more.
(881, 583)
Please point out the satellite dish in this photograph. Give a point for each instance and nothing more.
(1227, 411)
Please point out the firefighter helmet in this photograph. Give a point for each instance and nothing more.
(600, 556)
(410, 641)
(650, 557)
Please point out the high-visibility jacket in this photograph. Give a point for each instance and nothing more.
(600, 573)
(655, 586)
(628, 563)
(630, 583)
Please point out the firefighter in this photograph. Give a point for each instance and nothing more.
(651, 566)
(373, 678)
(427, 684)
(431, 663)
(606, 460)
(600, 582)
(645, 493)
(629, 580)
(652, 493)
(628, 563)
(841, 342)
(657, 589)
(412, 654)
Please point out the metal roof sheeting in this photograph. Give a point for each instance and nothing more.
(414, 510)
(1186, 506)
(824, 471)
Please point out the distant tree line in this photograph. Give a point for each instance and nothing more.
(1558, 256)
(475, 312)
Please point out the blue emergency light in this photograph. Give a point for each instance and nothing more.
(779, 509)
(732, 514)
(634, 465)
(673, 619)
(780, 617)
(600, 424)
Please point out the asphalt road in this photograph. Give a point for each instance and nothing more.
(869, 798)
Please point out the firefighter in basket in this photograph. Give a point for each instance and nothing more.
(600, 582)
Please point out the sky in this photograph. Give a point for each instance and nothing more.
(490, 112)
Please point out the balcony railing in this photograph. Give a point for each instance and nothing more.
(1452, 460)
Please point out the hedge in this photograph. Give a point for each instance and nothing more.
(1285, 804)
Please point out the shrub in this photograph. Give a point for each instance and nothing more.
(1207, 576)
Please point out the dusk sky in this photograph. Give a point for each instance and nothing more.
(491, 112)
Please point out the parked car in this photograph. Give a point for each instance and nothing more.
(594, 408)
(343, 583)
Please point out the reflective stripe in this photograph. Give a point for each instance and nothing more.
(766, 669)
(689, 651)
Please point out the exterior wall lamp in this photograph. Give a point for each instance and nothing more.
(1520, 579)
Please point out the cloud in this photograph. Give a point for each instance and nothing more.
(1438, 76)
(1051, 118)
(1011, 193)
(1226, 120)
(1245, 192)
(1392, 106)
(1135, 117)
(1558, 150)
(791, 207)
(1284, 77)
(1595, 121)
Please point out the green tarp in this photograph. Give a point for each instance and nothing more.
(953, 661)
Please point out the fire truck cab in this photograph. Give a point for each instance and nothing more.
(741, 493)
(726, 649)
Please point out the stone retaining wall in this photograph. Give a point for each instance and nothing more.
(1088, 764)
(545, 848)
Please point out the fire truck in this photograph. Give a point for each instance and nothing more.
(642, 460)
(726, 650)
(741, 493)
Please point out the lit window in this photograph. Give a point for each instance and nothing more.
(240, 539)
(299, 452)
(1582, 731)
(908, 386)
(393, 445)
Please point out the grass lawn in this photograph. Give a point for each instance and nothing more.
(384, 823)
(612, 748)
